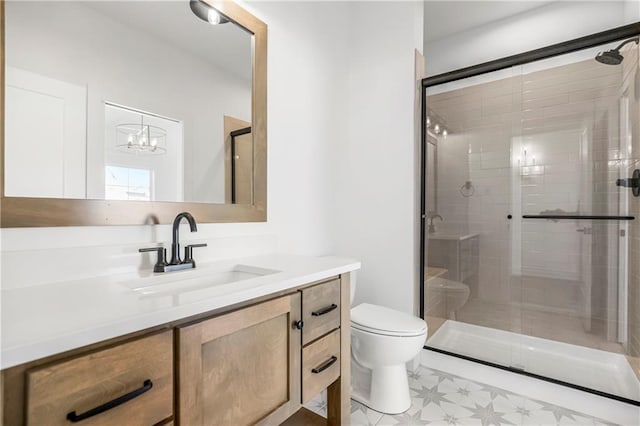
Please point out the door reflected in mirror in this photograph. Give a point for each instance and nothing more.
(123, 101)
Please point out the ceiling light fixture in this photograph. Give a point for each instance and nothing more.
(436, 125)
(207, 13)
(141, 138)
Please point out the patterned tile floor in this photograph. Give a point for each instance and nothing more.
(440, 398)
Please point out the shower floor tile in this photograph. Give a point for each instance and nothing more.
(440, 398)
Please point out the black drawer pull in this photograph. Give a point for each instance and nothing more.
(324, 310)
(74, 418)
(328, 363)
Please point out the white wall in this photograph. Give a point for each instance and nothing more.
(552, 23)
(375, 214)
(307, 109)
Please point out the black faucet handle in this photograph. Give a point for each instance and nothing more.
(188, 252)
(162, 255)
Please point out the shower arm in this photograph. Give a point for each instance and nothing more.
(636, 39)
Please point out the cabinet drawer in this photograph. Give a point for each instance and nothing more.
(320, 365)
(142, 370)
(320, 310)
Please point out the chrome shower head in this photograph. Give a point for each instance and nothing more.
(613, 56)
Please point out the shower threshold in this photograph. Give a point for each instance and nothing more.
(600, 372)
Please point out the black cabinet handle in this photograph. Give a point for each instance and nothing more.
(328, 363)
(324, 310)
(74, 418)
(298, 324)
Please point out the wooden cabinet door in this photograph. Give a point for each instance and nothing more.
(241, 368)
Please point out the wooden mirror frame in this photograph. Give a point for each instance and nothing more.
(36, 212)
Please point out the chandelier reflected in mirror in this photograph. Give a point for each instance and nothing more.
(141, 138)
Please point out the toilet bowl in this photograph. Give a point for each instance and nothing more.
(382, 341)
(445, 297)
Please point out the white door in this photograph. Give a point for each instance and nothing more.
(45, 136)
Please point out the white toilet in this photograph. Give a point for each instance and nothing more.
(382, 341)
(445, 297)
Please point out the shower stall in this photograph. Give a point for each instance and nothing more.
(530, 229)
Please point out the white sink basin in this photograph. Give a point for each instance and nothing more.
(194, 279)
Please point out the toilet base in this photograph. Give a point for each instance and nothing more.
(388, 392)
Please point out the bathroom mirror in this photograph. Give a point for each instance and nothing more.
(130, 111)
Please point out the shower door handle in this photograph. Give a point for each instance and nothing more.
(585, 230)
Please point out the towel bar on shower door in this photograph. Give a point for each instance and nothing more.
(576, 217)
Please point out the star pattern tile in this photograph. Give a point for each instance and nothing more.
(415, 375)
(494, 392)
(463, 391)
(442, 376)
(559, 412)
(440, 398)
(431, 395)
(523, 411)
(488, 415)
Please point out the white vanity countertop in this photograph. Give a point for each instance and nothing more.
(44, 320)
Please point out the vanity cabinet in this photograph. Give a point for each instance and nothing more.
(257, 365)
(253, 363)
(131, 383)
(241, 368)
(320, 337)
(320, 365)
(320, 310)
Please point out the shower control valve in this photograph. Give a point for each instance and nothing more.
(633, 183)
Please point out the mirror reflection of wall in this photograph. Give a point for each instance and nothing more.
(65, 60)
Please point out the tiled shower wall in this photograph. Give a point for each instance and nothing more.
(477, 150)
(555, 114)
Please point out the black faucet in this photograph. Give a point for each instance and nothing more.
(175, 244)
(176, 263)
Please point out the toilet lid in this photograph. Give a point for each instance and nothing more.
(381, 320)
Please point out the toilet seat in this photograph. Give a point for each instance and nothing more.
(385, 321)
(448, 285)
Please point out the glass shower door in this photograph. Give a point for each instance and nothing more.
(469, 288)
(574, 269)
(519, 273)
